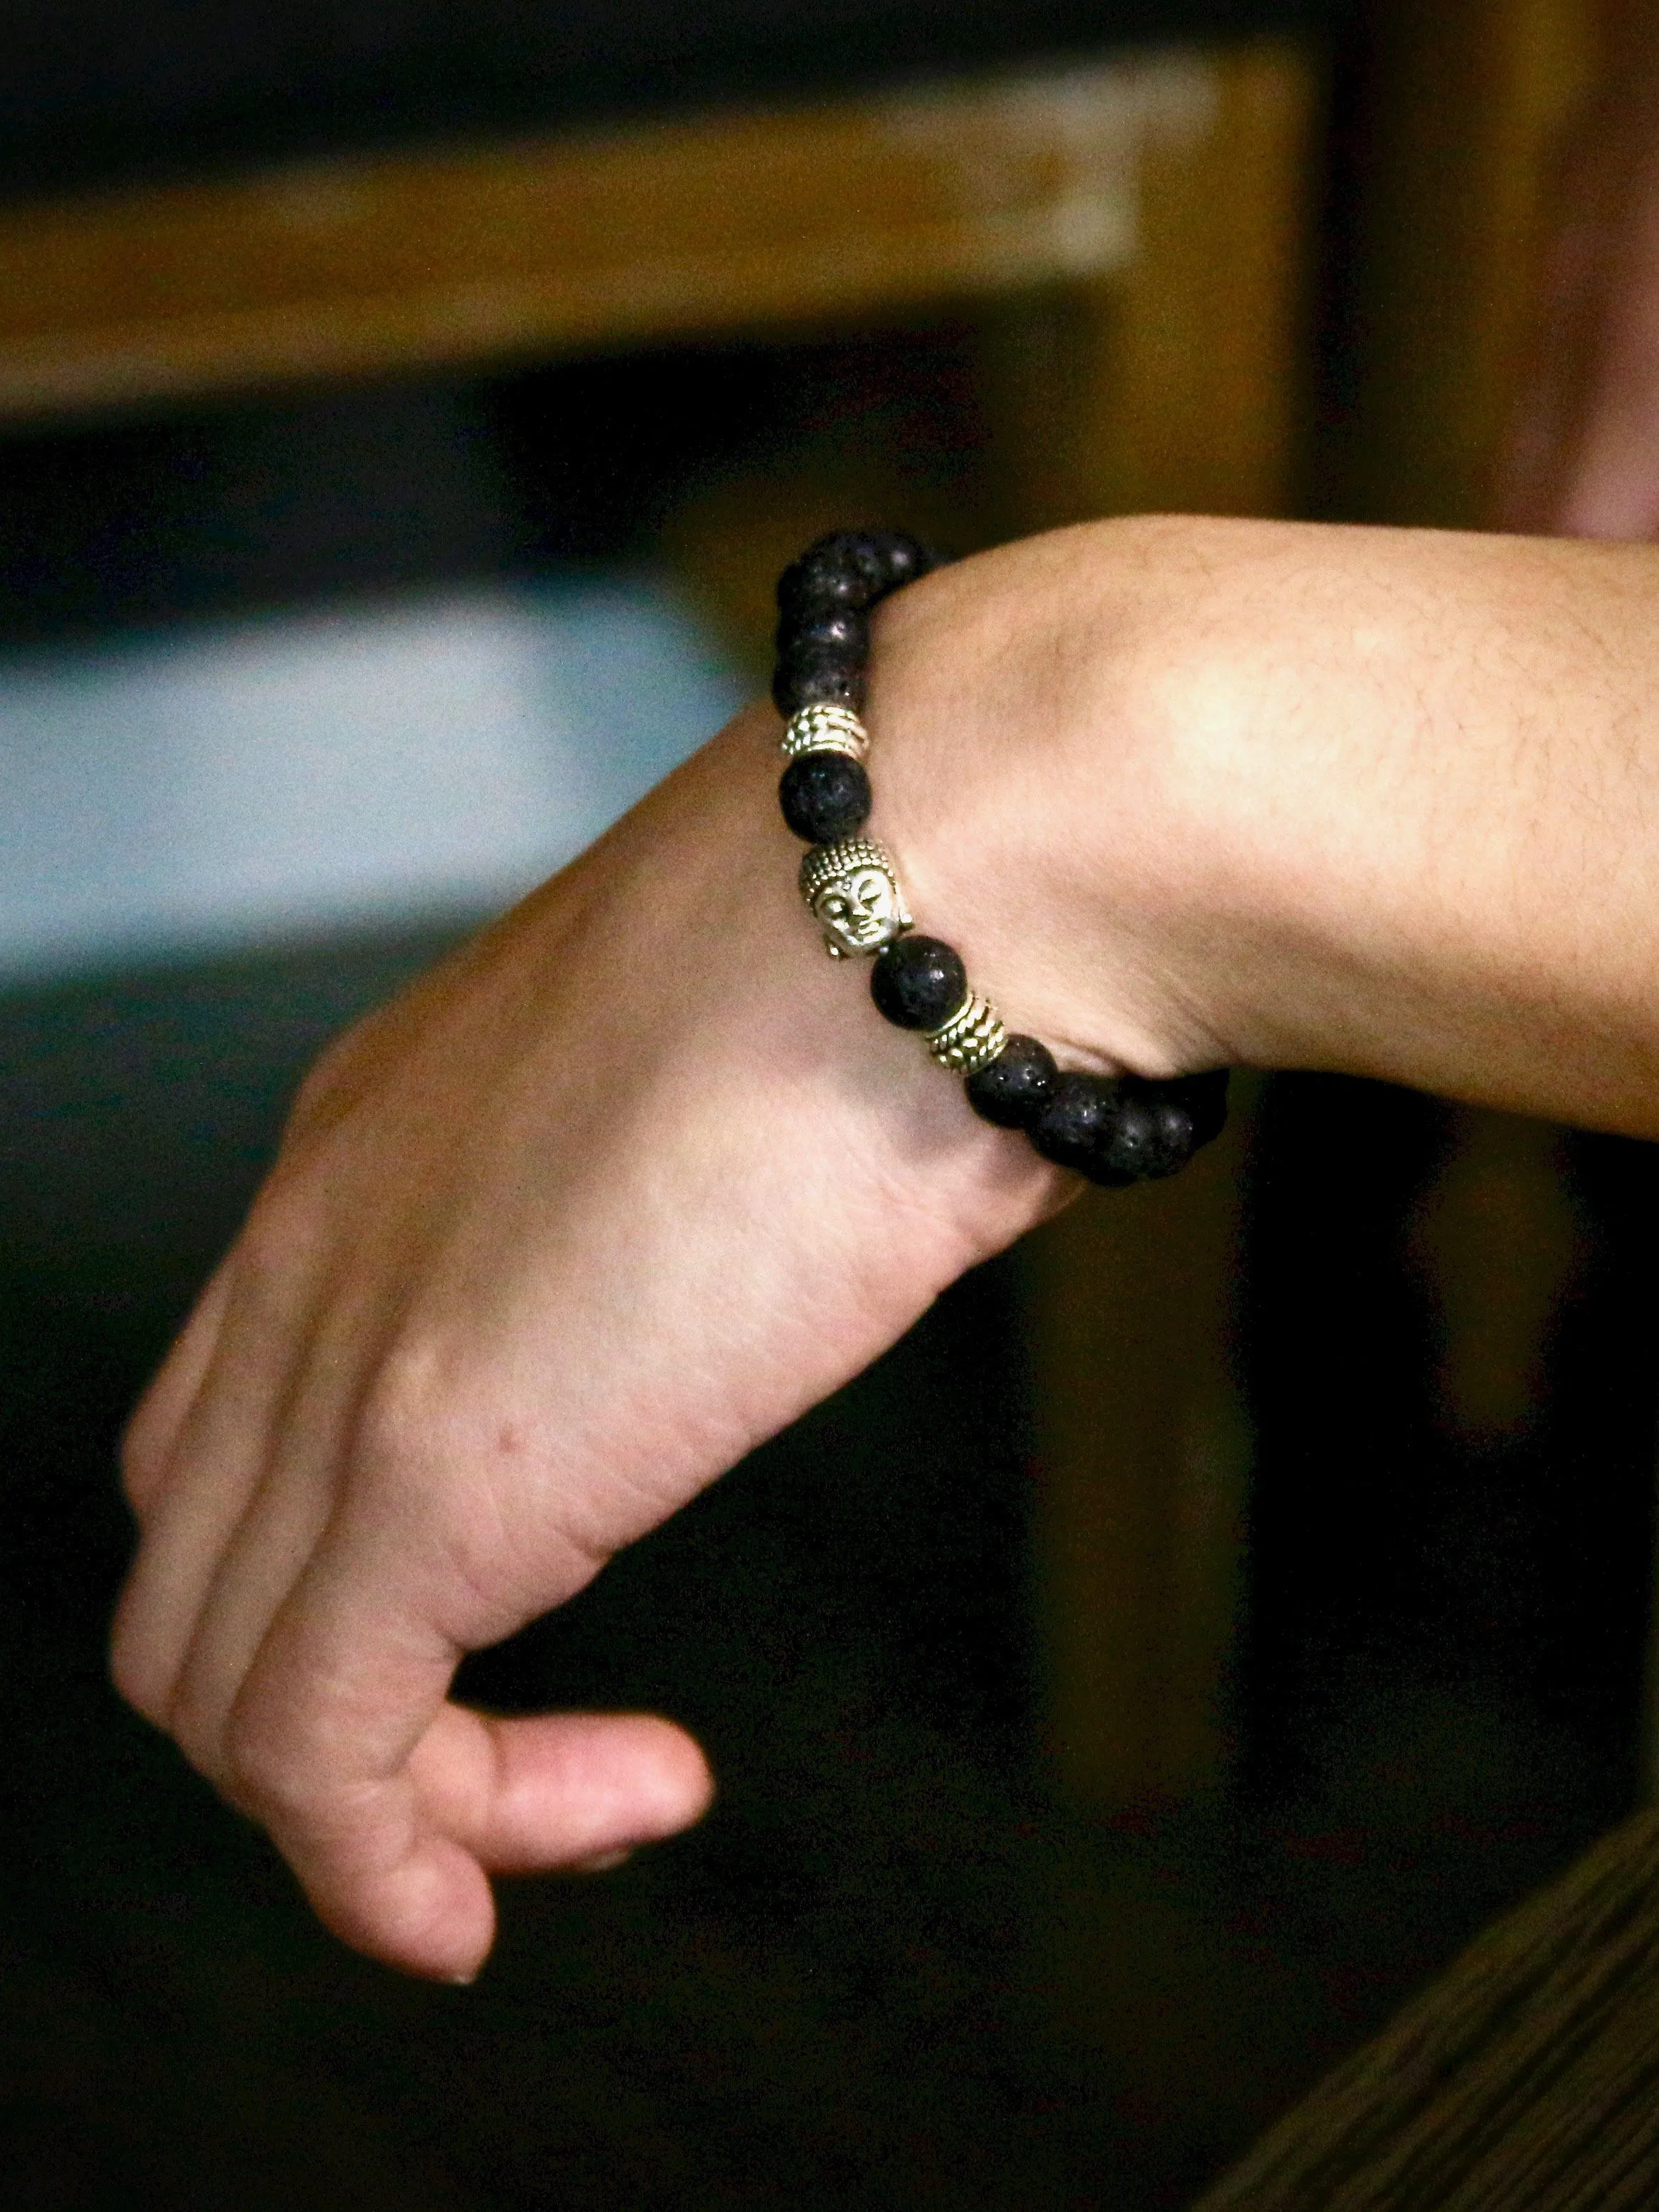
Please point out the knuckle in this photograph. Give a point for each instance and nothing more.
(136, 1679)
(406, 1462)
(335, 1081)
(277, 1239)
(401, 1421)
(141, 1461)
(258, 1771)
(192, 1724)
(439, 1452)
(322, 1093)
(430, 1427)
(136, 1674)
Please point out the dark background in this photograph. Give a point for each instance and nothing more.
(175, 87)
(894, 1967)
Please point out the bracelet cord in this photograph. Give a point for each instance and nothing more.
(1113, 1130)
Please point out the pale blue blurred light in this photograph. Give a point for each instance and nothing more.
(260, 780)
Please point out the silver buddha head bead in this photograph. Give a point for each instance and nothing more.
(853, 892)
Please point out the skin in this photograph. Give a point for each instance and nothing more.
(640, 1175)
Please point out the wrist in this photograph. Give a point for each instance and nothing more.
(1186, 793)
(1025, 707)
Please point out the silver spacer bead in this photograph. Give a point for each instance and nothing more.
(825, 729)
(971, 1040)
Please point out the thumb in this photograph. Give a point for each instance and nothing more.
(559, 1790)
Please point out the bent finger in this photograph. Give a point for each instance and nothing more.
(153, 1428)
(557, 1789)
(318, 1746)
(216, 1467)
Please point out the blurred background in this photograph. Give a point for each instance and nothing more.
(1166, 1657)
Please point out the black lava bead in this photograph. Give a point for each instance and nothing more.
(1174, 1137)
(1075, 1125)
(823, 581)
(817, 679)
(850, 570)
(1012, 1088)
(843, 630)
(903, 558)
(918, 983)
(825, 796)
(1131, 1148)
(1204, 1096)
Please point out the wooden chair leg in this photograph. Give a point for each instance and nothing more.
(1174, 384)
(1172, 387)
(1144, 1459)
(1458, 111)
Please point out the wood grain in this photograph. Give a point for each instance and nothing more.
(1525, 2080)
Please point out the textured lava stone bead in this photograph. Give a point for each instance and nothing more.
(1075, 1125)
(1187, 1111)
(1012, 1089)
(825, 796)
(823, 581)
(1174, 1137)
(850, 570)
(1204, 1097)
(818, 678)
(1131, 1148)
(918, 983)
(845, 631)
(903, 558)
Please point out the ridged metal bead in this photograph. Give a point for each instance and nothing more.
(971, 1040)
(825, 729)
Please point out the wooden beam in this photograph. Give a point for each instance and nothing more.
(364, 267)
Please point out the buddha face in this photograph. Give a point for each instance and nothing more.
(859, 912)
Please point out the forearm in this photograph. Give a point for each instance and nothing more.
(626, 1185)
(1379, 801)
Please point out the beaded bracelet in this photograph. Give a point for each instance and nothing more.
(1115, 1130)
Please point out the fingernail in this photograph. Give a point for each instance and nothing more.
(460, 1981)
(602, 1862)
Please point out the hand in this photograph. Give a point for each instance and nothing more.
(1584, 459)
(551, 1243)
(640, 1175)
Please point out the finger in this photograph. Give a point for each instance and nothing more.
(153, 1429)
(558, 1790)
(217, 1463)
(217, 1471)
(262, 1556)
(260, 1561)
(347, 1682)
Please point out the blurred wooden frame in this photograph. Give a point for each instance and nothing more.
(1137, 230)
(1460, 116)
(1170, 176)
